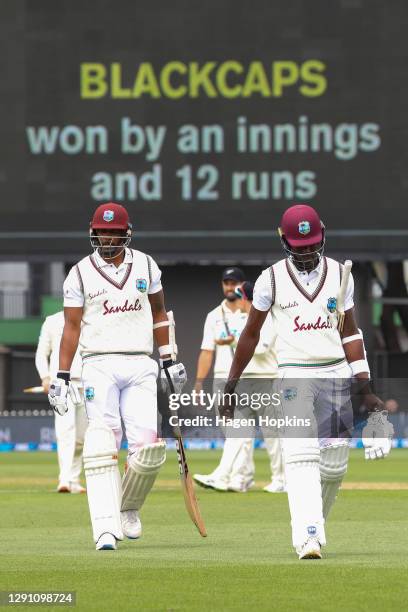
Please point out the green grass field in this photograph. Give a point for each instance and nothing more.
(246, 562)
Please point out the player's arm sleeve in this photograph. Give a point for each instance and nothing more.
(155, 275)
(43, 352)
(208, 343)
(262, 299)
(73, 289)
(349, 298)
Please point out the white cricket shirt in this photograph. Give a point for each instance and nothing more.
(47, 354)
(117, 316)
(303, 308)
(262, 364)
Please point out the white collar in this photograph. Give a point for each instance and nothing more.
(224, 304)
(101, 263)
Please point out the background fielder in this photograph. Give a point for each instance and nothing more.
(70, 429)
(272, 443)
(222, 329)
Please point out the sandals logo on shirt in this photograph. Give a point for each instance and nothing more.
(319, 324)
(92, 296)
(89, 393)
(141, 284)
(126, 307)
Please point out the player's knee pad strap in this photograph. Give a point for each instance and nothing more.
(143, 467)
(103, 480)
(333, 461)
(99, 446)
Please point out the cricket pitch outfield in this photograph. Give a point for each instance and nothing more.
(246, 562)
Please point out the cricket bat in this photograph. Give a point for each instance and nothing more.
(33, 390)
(187, 486)
(348, 264)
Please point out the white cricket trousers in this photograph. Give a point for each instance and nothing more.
(123, 388)
(323, 397)
(70, 431)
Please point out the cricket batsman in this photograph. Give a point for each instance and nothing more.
(315, 362)
(114, 308)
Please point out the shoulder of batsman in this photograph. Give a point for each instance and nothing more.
(85, 259)
(335, 262)
(281, 263)
(135, 253)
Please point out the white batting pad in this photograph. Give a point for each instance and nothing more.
(143, 467)
(103, 481)
(274, 450)
(333, 466)
(304, 489)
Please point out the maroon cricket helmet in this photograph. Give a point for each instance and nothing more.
(301, 226)
(114, 217)
(110, 216)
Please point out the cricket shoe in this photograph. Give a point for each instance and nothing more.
(310, 549)
(107, 541)
(238, 486)
(131, 524)
(209, 482)
(276, 486)
(76, 488)
(63, 488)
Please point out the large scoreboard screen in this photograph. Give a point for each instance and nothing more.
(206, 119)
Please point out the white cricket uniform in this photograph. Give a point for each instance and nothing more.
(262, 365)
(237, 465)
(309, 347)
(70, 428)
(299, 303)
(116, 342)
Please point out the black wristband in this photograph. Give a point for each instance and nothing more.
(64, 375)
(166, 363)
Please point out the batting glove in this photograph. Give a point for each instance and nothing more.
(61, 388)
(377, 435)
(173, 376)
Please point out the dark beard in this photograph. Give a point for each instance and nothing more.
(231, 297)
(306, 267)
(109, 252)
